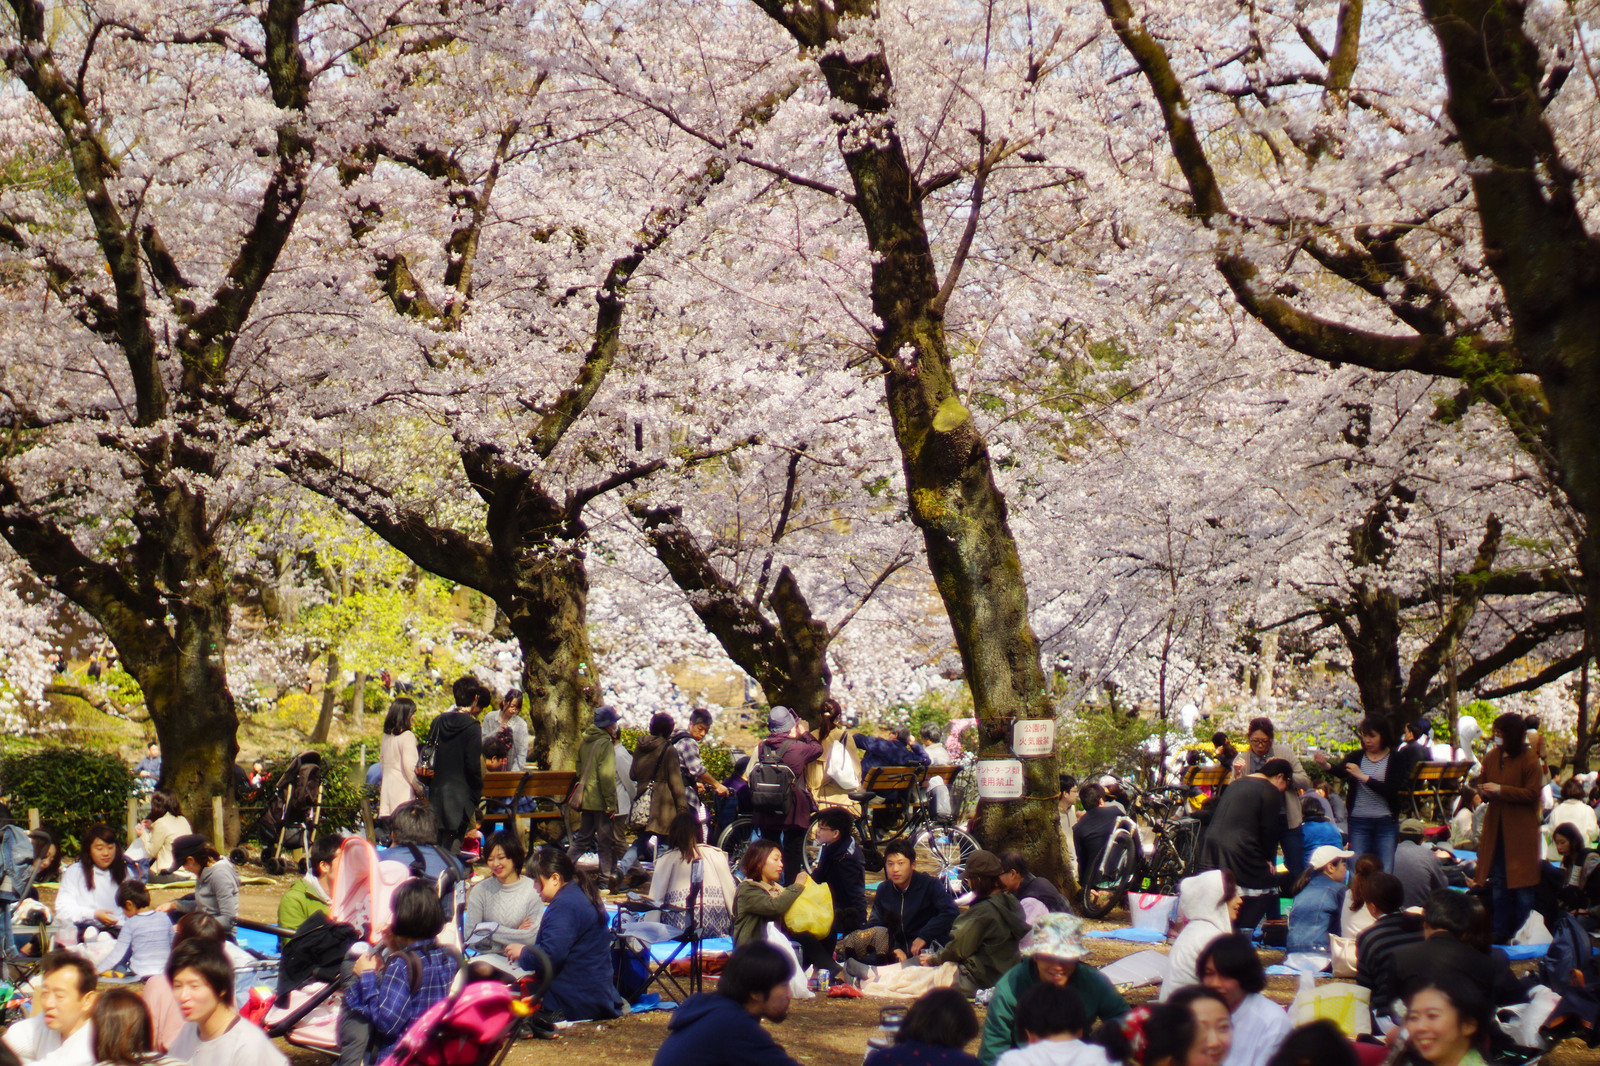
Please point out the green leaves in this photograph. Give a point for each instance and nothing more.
(72, 788)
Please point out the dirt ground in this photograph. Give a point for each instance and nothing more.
(823, 1032)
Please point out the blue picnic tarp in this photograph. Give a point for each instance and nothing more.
(1140, 936)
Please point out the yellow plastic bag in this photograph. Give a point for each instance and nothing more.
(812, 912)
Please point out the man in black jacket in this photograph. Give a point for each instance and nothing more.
(912, 912)
(1244, 834)
(1017, 879)
(1380, 942)
(457, 782)
(842, 868)
(1092, 829)
(1456, 927)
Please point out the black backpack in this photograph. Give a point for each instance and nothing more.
(771, 780)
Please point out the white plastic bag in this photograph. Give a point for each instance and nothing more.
(797, 983)
(841, 768)
(1521, 1021)
(1533, 931)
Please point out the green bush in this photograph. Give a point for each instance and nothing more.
(718, 758)
(72, 788)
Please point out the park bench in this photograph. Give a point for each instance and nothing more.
(547, 789)
(1434, 787)
(1214, 777)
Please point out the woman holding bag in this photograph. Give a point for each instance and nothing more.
(659, 794)
(761, 898)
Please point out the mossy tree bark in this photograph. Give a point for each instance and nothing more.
(163, 600)
(954, 500)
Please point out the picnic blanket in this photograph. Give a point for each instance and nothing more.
(1141, 936)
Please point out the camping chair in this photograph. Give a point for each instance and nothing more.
(642, 936)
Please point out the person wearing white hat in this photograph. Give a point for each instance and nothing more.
(1318, 895)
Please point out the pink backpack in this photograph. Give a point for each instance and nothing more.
(464, 1029)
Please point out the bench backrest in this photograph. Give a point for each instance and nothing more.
(948, 772)
(514, 784)
(1430, 772)
(1205, 776)
(890, 778)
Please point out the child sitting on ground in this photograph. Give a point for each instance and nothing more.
(146, 938)
(1052, 1017)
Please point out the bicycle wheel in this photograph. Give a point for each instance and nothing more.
(735, 839)
(942, 851)
(1108, 882)
(812, 848)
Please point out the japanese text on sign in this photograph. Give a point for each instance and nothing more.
(1034, 736)
(1000, 779)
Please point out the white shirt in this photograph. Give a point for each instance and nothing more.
(1259, 1026)
(1055, 1053)
(34, 1041)
(76, 902)
(241, 1044)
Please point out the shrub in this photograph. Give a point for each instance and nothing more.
(72, 788)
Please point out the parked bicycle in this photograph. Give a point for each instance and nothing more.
(892, 810)
(1129, 864)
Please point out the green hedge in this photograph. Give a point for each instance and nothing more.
(72, 788)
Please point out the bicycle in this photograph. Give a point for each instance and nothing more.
(1128, 864)
(891, 812)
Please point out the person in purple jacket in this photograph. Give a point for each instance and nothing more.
(788, 737)
(723, 1028)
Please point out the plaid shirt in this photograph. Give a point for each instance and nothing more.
(689, 754)
(384, 997)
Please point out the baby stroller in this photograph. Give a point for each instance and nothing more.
(292, 814)
(16, 879)
(313, 973)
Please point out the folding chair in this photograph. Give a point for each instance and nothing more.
(642, 936)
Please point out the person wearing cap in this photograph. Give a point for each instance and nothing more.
(984, 939)
(1318, 895)
(1416, 864)
(1244, 833)
(597, 772)
(1053, 956)
(791, 743)
(216, 881)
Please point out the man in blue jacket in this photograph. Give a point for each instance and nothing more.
(912, 913)
(723, 1028)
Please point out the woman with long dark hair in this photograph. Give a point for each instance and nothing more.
(1378, 773)
(397, 753)
(1579, 886)
(575, 937)
(1508, 850)
(88, 895)
(673, 880)
(166, 824)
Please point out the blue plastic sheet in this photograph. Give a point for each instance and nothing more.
(1141, 936)
(711, 945)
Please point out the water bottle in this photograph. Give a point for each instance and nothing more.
(889, 1022)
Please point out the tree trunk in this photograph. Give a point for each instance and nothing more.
(953, 498)
(358, 699)
(330, 695)
(548, 612)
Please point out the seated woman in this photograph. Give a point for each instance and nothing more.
(984, 940)
(392, 990)
(88, 895)
(1318, 895)
(1231, 967)
(673, 880)
(1578, 877)
(166, 824)
(1208, 902)
(575, 937)
(505, 899)
(1193, 1028)
(216, 881)
(1463, 823)
(762, 899)
(1448, 1021)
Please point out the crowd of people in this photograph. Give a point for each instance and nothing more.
(1371, 890)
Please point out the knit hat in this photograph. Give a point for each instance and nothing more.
(606, 717)
(983, 864)
(1056, 936)
(780, 719)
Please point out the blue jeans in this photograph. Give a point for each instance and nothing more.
(1376, 836)
(1511, 906)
